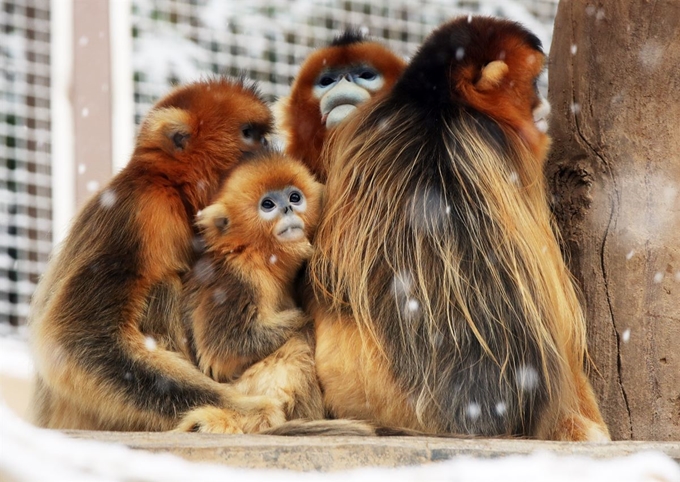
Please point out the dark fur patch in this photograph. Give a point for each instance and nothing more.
(349, 36)
(230, 322)
(96, 308)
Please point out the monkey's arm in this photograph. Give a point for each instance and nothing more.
(232, 325)
(97, 369)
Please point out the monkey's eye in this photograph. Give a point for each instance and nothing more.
(295, 197)
(267, 204)
(367, 75)
(326, 80)
(250, 134)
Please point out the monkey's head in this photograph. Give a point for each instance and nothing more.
(198, 132)
(269, 204)
(496, 70)
(331, 83)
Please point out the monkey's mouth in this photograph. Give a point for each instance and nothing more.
(292, 231)
(341, 102)
(337, 115)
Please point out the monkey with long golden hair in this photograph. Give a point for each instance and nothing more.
(440, 297)
(243, 323)
(332, 83)
(105, 321)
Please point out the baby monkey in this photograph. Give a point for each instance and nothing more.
(243, 325)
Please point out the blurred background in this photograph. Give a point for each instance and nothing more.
(77, 77)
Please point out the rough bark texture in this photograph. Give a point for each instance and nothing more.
(614, 172)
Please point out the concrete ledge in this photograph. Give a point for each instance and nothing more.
(338, 453)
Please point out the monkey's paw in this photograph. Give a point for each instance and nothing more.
(262, 414)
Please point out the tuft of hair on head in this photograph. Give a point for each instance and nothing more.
(349, 36)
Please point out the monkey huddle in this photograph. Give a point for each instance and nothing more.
(427, 306)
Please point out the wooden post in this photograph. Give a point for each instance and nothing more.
(614, 172)
(91, 96)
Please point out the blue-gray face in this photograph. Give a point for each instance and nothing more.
(340, 91)
(283, 207)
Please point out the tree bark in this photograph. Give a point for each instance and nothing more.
(614, 172)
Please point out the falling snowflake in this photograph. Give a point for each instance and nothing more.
(658, 277)
(630, 254)
(526, 378)
(474, 411)
(412, 305)
(651, 54)
(92, 186)
(625, 336)
(501, 408)
(460, 53)
(150, 343)
(273, 259)
(108, 198)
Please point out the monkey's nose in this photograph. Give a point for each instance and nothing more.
(286, 209)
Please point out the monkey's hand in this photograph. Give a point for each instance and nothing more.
(253, 415)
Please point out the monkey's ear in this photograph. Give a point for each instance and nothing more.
(170, 128)
(492, 75)
(213, 220)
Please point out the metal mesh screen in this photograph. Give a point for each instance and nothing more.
(182, 40)
(25, 186)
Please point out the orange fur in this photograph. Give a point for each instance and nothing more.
(500, 82)
(239, 302)
(436, 273)
(105, 320)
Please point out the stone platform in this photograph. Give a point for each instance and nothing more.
(338, 453)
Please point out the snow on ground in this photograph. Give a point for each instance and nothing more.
(28, 453)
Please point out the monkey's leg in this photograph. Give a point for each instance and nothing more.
(116, 381)
(289, 377)
(355, 377)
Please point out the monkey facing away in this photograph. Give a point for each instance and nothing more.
(332, 82)
(105, 321)
(238, 301)
(441, 300)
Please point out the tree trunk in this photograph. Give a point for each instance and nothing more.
(614, 172)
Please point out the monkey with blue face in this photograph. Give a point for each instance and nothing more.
(333, 81)
(243, 325)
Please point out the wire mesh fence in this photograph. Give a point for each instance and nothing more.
(177, 41)
(25, 183)
(182, 40)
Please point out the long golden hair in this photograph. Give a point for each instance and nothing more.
(436, 239)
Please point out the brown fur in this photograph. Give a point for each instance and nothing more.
(105, 319)
(298, 115)
(238, 300)
(442, 302)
